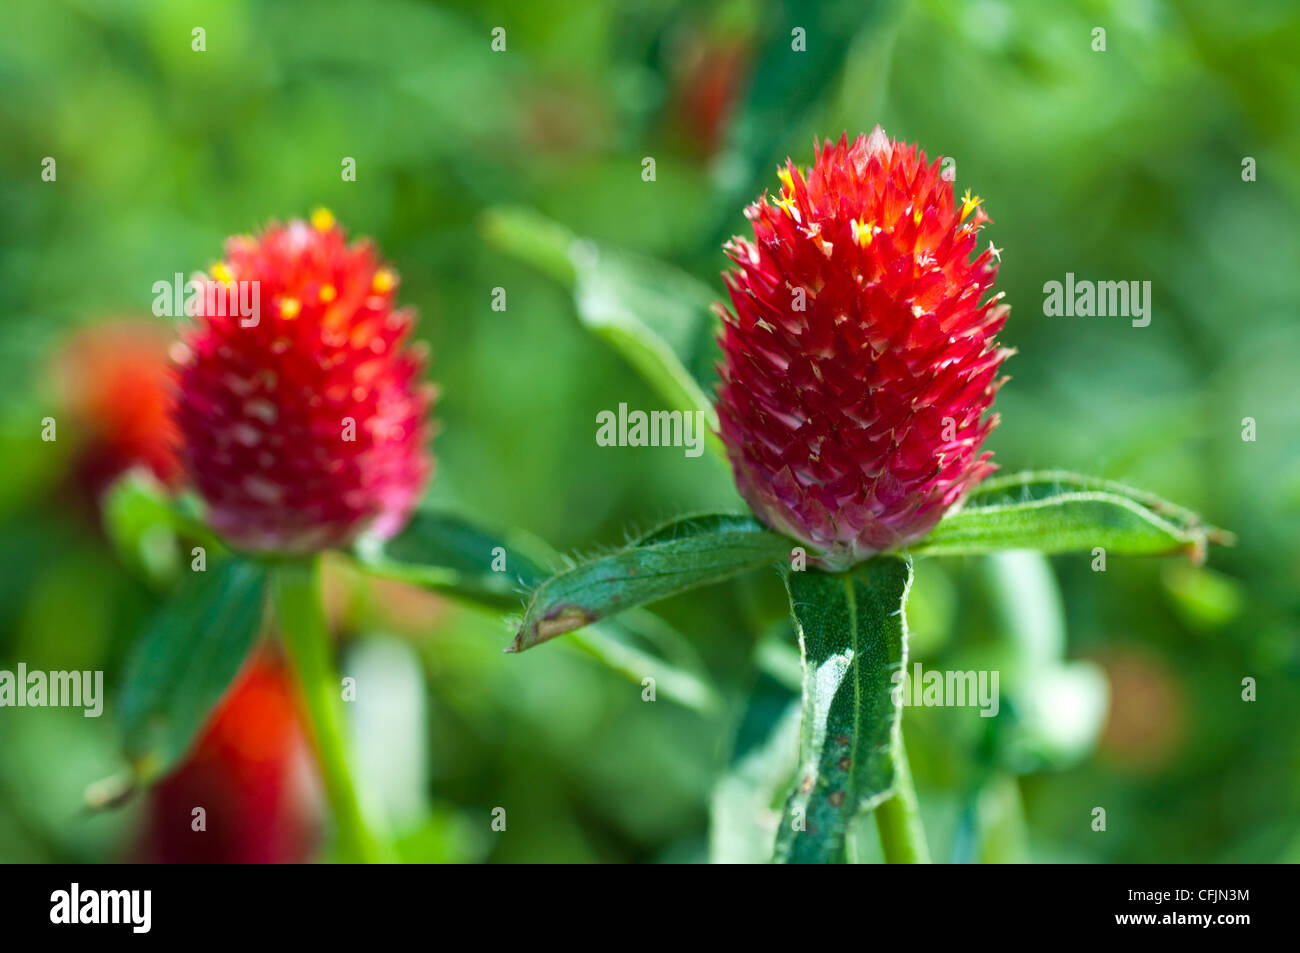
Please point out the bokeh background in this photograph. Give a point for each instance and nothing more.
(1122, 689)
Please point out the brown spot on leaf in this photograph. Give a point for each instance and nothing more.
(562, 619)
(836, 798)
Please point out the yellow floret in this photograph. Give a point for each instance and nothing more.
(861, 232)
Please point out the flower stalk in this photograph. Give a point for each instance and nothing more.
(297, 600)
(902, 836)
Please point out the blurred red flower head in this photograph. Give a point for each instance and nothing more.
(305, 424)
(252, 774)
(113, 381)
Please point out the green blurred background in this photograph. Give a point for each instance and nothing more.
(1121, 689)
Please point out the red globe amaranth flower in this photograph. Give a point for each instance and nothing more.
(859, 362)
(251, 772)
(113, 382)
(304, 425)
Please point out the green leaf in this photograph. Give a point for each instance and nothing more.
(185, 661)
(448, 553)
(144, 524)
(853, 638)
(684, 554)
(138, 524)
(613, 644)
(657, 317)
(1055, 512)
(746, 804)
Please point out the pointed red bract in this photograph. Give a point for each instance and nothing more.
(307, 427)
(859, 361)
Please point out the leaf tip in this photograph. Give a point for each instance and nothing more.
(1220, 537)
(560, 620)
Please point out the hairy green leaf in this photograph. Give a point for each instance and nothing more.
(450, 554)
(682, 555)
(853, 639)
(1055, 511)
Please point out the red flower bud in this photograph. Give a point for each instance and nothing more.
(859, 361)
(303, 425)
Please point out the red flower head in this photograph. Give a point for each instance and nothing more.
(859, 363)
(303, 425)
(113, 382)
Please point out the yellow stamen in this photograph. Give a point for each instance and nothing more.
(861, 232)
(383, 281)
(327, 293)
(916, 216)
(222, 273)
(968, 204)
(787, 180)
(322, 220)
(289, 308)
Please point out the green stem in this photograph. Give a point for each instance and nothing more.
(899, 819)
(301, 619)
(1003, 838)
